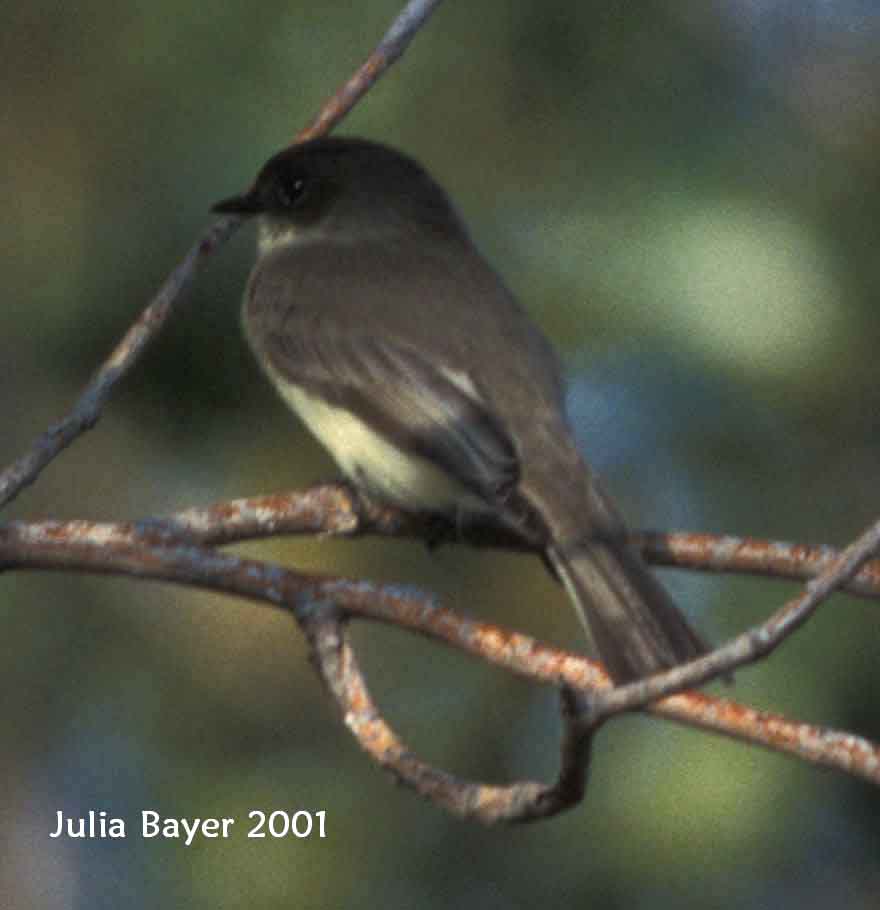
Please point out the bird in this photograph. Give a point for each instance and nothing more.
(383, 327)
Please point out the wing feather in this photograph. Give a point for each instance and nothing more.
(412, 403)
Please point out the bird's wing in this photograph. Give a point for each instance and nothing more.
(418, 406)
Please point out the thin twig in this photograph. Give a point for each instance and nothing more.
(87, 410)
(398, 37)
(752, 644)
(750, 556)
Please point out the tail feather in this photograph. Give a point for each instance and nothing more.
(634, 624)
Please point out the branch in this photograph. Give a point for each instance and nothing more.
(335, 509)
(398, 37)
(753, 644)
(749, 555)
(519, 802)
(175, 550)
(87, 410)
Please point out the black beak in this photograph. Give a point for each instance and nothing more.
(246, 204)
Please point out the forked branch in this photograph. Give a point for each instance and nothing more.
(182, 549)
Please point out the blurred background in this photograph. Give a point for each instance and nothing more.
(685, 194)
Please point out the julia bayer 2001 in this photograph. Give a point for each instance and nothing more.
(101, 825)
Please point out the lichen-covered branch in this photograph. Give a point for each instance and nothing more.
(337, 510)
(177, 550)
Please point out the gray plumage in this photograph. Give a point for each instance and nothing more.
(385, 329)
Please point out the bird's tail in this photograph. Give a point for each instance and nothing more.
(634, 624)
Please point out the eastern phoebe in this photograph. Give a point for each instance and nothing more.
(401, 349)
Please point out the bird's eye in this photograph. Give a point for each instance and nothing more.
(290, 190)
